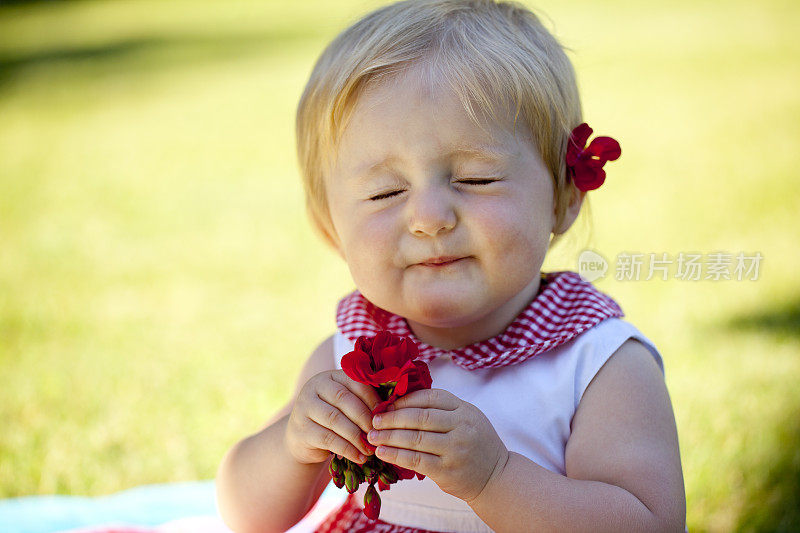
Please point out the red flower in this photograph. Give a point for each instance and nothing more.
(585, 163)
(404, 473)
(367, 444)
(386, 362)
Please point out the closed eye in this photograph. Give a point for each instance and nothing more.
(385, 195)
(478, 181)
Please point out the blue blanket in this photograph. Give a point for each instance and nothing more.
(168, 508)
(149, 505)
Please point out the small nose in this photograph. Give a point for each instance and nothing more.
(430, 212)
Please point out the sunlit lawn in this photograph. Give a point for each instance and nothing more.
(160, 286)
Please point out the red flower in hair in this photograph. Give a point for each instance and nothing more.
(585, 163)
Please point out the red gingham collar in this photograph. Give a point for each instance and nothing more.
(566, 307)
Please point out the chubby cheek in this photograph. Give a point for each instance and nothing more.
(370, 250)
(516, 240)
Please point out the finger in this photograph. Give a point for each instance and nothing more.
(437, 398)
(421, 462)
(437, 420)
(340, 396)
(411, 439)
(328, 416)
(366, 393)
(325, 439)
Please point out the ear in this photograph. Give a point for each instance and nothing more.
(573, 209)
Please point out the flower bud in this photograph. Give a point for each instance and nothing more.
(372, 503)
(335, 467)
(351, 481)
(338, 480)
(388, 476)
(370, 472)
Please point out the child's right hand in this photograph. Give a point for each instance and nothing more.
(329, 415)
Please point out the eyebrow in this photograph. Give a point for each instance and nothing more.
(486, 153)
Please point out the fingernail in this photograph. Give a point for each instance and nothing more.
(376, 420)
(362, 458)
(373, 435)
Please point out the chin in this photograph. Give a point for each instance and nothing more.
(441, 312)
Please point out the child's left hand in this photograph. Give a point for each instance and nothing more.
(443, 437)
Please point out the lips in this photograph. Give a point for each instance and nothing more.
(440, 261)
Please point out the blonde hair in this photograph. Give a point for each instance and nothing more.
(494, 55)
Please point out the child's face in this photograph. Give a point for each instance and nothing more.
(439, 222)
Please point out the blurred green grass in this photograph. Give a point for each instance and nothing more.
(160, 286)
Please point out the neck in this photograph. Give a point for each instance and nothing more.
(485, 327)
